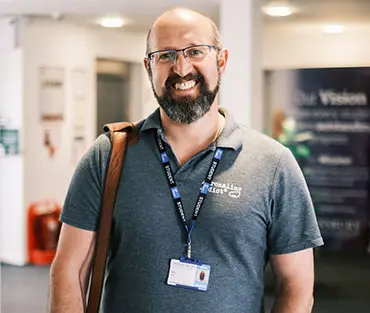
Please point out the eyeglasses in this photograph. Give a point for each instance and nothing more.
(194, 53)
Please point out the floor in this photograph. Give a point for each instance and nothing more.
(342, 286)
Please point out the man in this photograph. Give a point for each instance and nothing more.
(257, 208)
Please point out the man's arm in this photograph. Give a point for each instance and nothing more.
(294, 277)
(70, 271)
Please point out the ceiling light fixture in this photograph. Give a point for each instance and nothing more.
(278, 9)
(112, 22)
(333, 29)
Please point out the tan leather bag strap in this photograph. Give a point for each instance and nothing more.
(122, 135)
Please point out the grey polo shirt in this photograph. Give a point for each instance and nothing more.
(258, 205)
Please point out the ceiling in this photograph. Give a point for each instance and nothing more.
(141, 13)
(327, 11)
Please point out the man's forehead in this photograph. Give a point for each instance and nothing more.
(180, 27)
(180, 39)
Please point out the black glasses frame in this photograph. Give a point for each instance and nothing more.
(150, 55)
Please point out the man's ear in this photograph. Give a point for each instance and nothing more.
(147, 66)
(222, 59)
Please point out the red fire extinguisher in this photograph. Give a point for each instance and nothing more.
(43, 231)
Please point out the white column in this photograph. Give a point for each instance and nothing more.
(12, 210)
(8, 36)
(241, 88)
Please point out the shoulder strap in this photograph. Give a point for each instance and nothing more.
(126, 127)
(121, 135)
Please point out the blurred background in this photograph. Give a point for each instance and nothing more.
(299, 71)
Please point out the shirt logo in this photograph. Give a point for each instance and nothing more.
(225, 188)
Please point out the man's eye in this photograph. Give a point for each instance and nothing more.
(195, 52)
(165, 56)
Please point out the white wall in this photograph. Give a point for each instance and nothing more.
(67, 46)
(7, 35)
(34, 175)
(12, 209)
(306, 46)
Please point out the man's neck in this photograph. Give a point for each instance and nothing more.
(188, 139)
(203, 130)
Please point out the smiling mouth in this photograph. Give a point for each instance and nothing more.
(185, 85)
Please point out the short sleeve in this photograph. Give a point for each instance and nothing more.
(293, 224)
(81, 208)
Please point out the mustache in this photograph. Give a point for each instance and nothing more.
(174, 79)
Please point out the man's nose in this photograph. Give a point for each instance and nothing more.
(182, 66)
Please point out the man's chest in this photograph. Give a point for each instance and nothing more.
(234, 208)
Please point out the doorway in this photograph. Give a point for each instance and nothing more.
(113, 92)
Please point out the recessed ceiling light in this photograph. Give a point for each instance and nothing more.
(112, 22)
(278, 10)
(333, 29)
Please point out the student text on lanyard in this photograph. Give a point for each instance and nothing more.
(175, 191)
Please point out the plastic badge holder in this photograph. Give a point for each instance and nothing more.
(189, 273)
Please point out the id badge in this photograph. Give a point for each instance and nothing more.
(189, 273)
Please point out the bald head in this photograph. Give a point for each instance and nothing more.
(183, 17)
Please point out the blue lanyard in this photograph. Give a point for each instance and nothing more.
(203, 191)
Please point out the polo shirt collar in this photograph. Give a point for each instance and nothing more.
(231, 136)
(153, 121)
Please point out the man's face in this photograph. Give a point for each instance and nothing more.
(202, 275)
(185, 89)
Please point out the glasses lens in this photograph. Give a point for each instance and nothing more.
(164, 57)
(197, 53)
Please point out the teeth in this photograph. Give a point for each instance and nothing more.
(185, 86)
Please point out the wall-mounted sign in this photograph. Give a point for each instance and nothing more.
(9, 141)
(323, 116)
(52, 94)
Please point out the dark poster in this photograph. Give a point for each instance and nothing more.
(323, 116)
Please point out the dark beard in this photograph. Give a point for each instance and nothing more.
(188, 109)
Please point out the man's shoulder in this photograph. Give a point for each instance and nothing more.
(256, 142)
